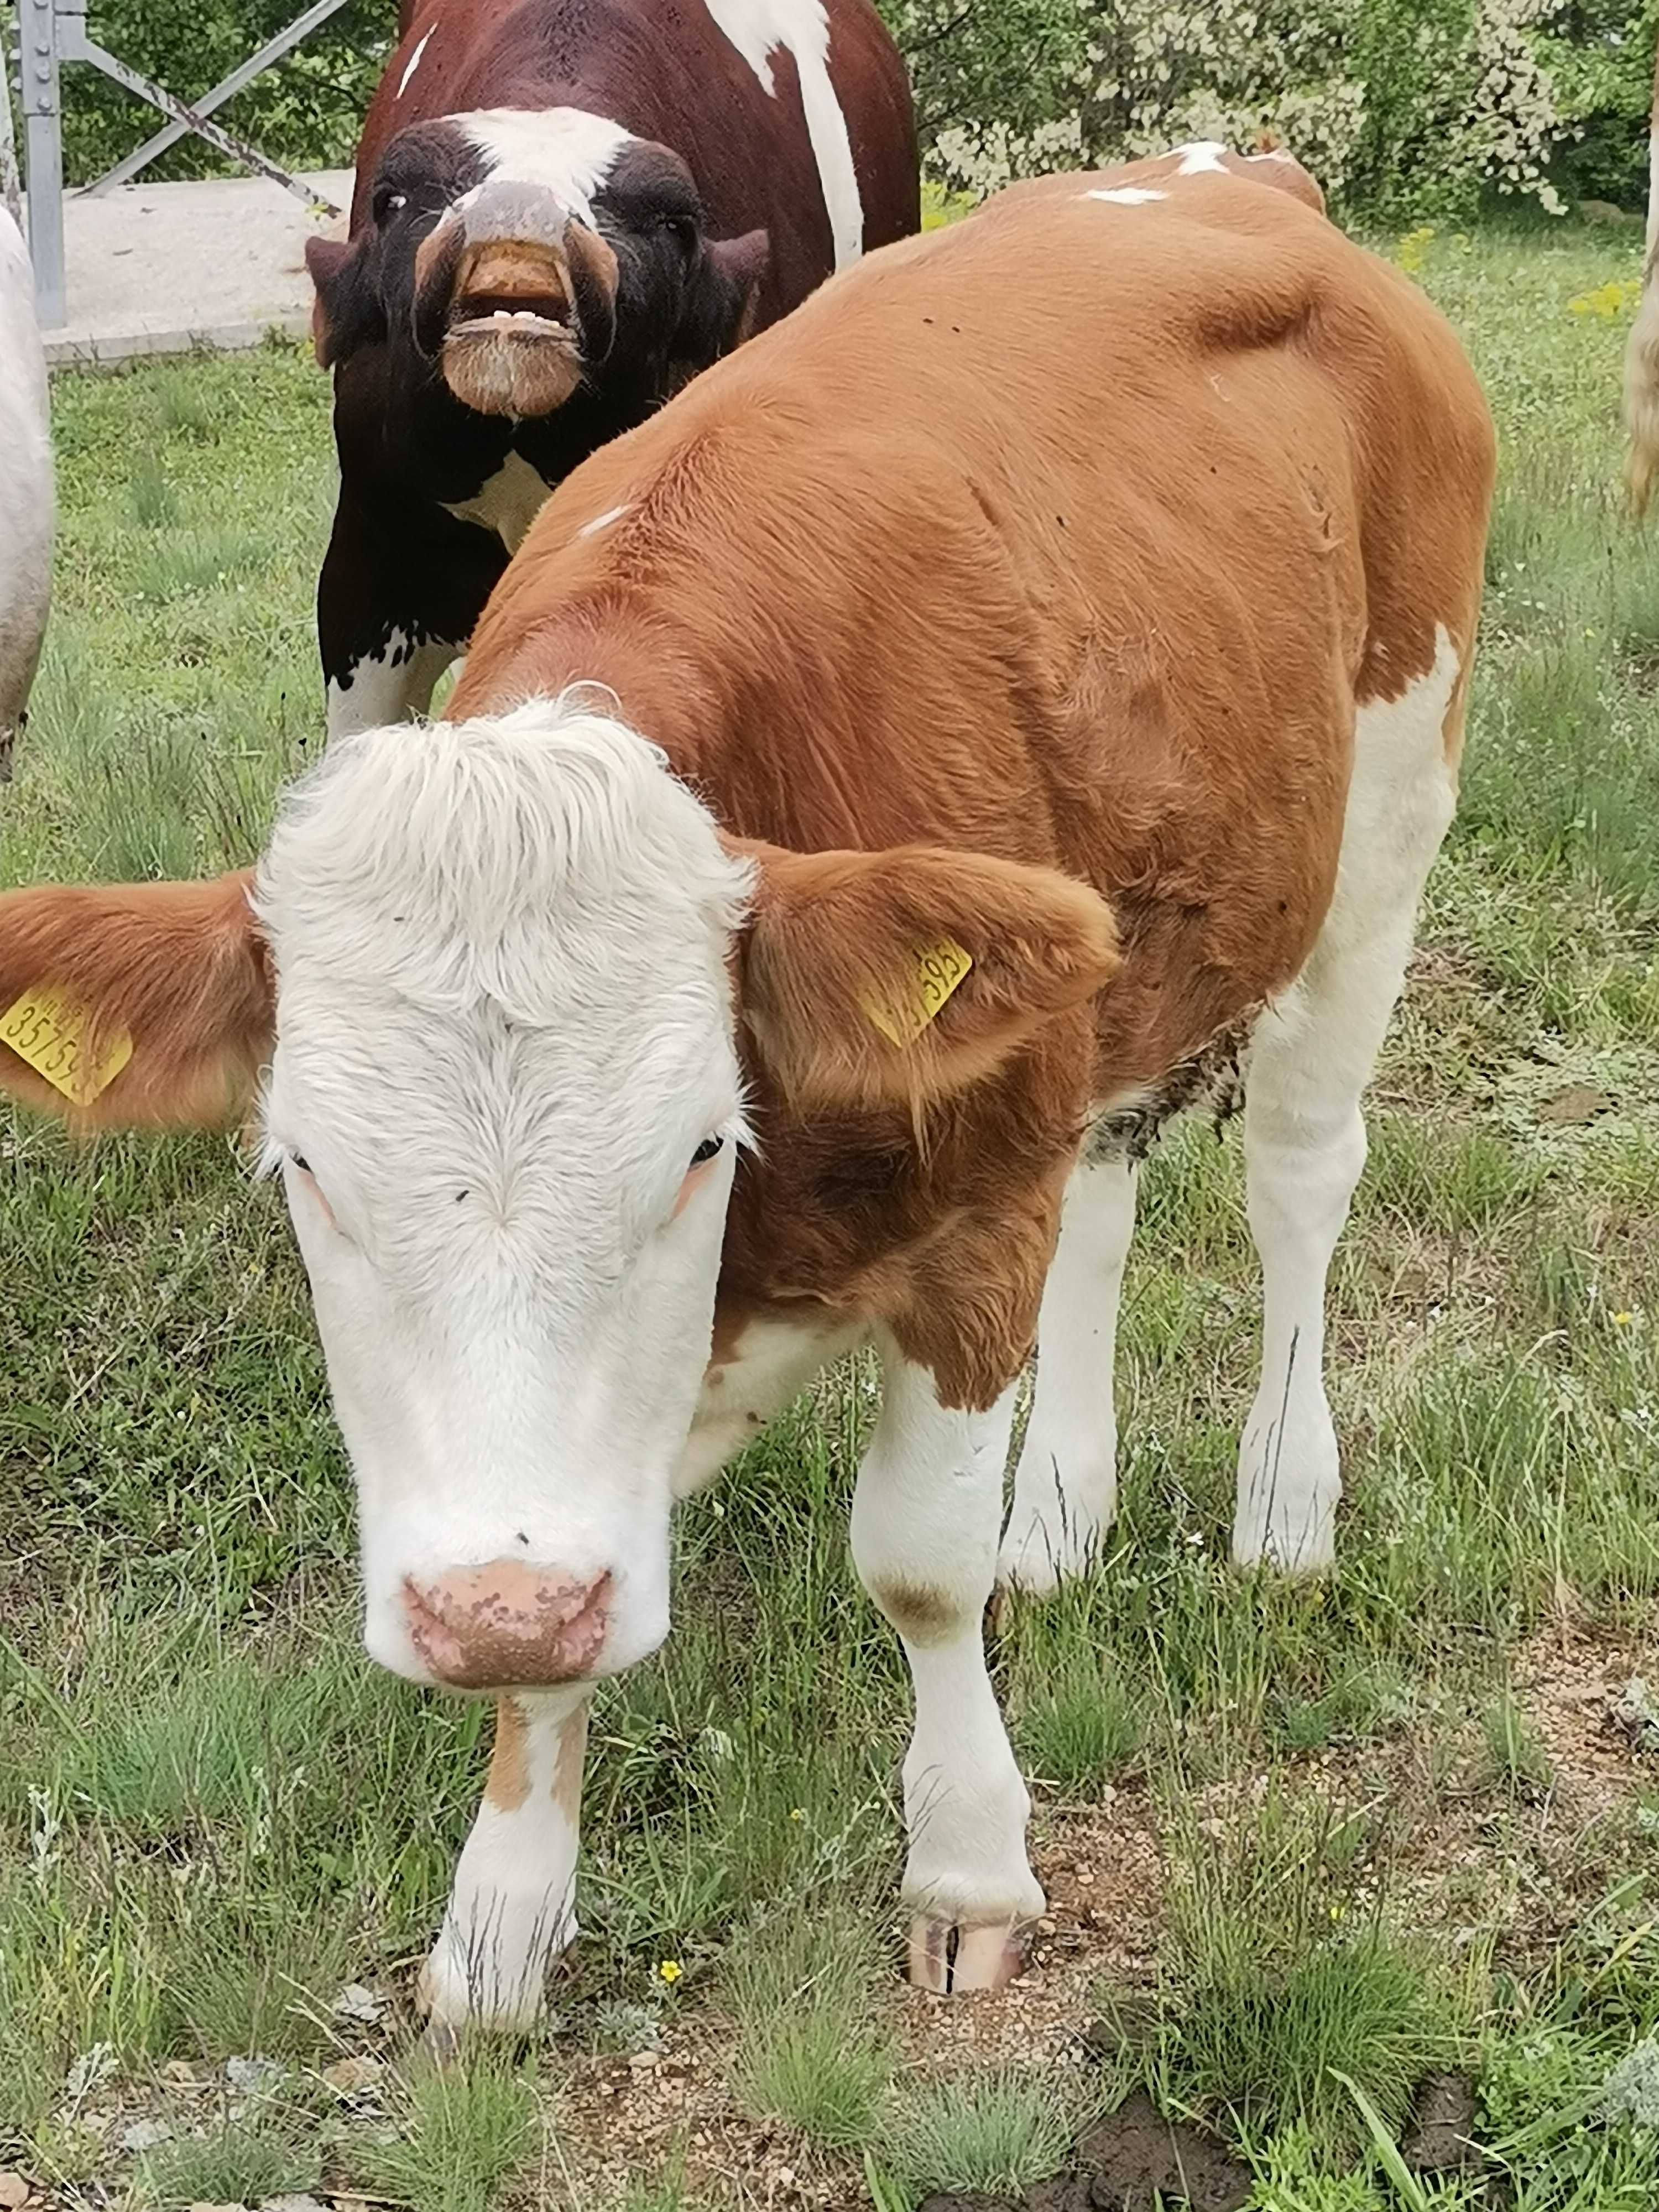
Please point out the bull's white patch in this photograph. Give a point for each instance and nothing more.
(566, 150)
(1127, 195)
(756, 28)
(507, 503)
(414, 61)
(388, 686)
(1203, 154)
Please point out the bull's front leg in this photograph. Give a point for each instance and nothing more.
(511, 1908)
(926, 1517)
(401, 587)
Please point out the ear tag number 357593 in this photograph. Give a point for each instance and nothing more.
(50, 1033)
(939, 968)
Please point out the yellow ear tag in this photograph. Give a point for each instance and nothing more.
(44, 1030)
(939, 967)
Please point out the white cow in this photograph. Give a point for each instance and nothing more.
(26, 499)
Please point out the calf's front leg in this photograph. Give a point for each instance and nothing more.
(511, 1907)
(926, 1517)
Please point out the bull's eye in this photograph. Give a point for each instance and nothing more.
(388, 203)
(707, 1150)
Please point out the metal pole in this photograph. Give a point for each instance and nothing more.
(43, 152)
(141, 157)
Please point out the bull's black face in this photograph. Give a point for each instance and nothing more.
(523, 264)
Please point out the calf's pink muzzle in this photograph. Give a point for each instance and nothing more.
(506, 1626)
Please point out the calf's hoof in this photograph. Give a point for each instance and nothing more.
(947, 1958)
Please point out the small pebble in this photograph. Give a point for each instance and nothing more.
(145, 2134)
(13, 2190)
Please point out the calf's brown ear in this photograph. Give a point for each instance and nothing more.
(898, 977)
(134, 1005)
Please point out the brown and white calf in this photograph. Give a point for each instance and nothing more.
(1076, 607)
(565, 209)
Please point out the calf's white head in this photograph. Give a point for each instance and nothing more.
(490, 981)
(506, 1102)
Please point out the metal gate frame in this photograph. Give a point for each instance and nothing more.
(52, 32)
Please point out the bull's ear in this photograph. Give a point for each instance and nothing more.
(346, 312)
(880, 978)
(722, 300)
(141, 1005)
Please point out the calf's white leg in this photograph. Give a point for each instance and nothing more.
(1304, 1137)
(1066, 1485)
(924, 1520)
(512, 1905)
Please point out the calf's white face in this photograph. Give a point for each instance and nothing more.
(506, 1102)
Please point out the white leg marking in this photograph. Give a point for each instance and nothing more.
(1065, 1489)
(1304, 1137)
(925, 1517)
(756, 27)
(388, 686)
(512, 1905)
(414, 62)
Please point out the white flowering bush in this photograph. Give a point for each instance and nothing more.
(1394, 104)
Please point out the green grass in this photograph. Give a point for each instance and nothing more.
(994, 2132)
(463, 2130)
(213, 1814)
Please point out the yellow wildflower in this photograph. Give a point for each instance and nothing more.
(670, 1970)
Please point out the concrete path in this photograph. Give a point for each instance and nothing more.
(158, 269)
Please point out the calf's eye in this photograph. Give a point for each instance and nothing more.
(707, 1150)
(300, 1162)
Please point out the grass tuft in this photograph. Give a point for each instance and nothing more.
(463, 2130)
(997, 2133)
(237, 2162)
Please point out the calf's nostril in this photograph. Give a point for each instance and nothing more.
(507, 1624)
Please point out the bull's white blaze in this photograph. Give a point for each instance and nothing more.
(1127, 195)
(756, 28)
(1310, 1058)
(503, 1027)
(414, 61)
(1203, 154)
(566, 150)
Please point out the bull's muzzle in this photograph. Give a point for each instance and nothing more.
(514, 300)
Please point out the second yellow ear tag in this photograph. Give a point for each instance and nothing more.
(44, 1030)
(939, 967)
